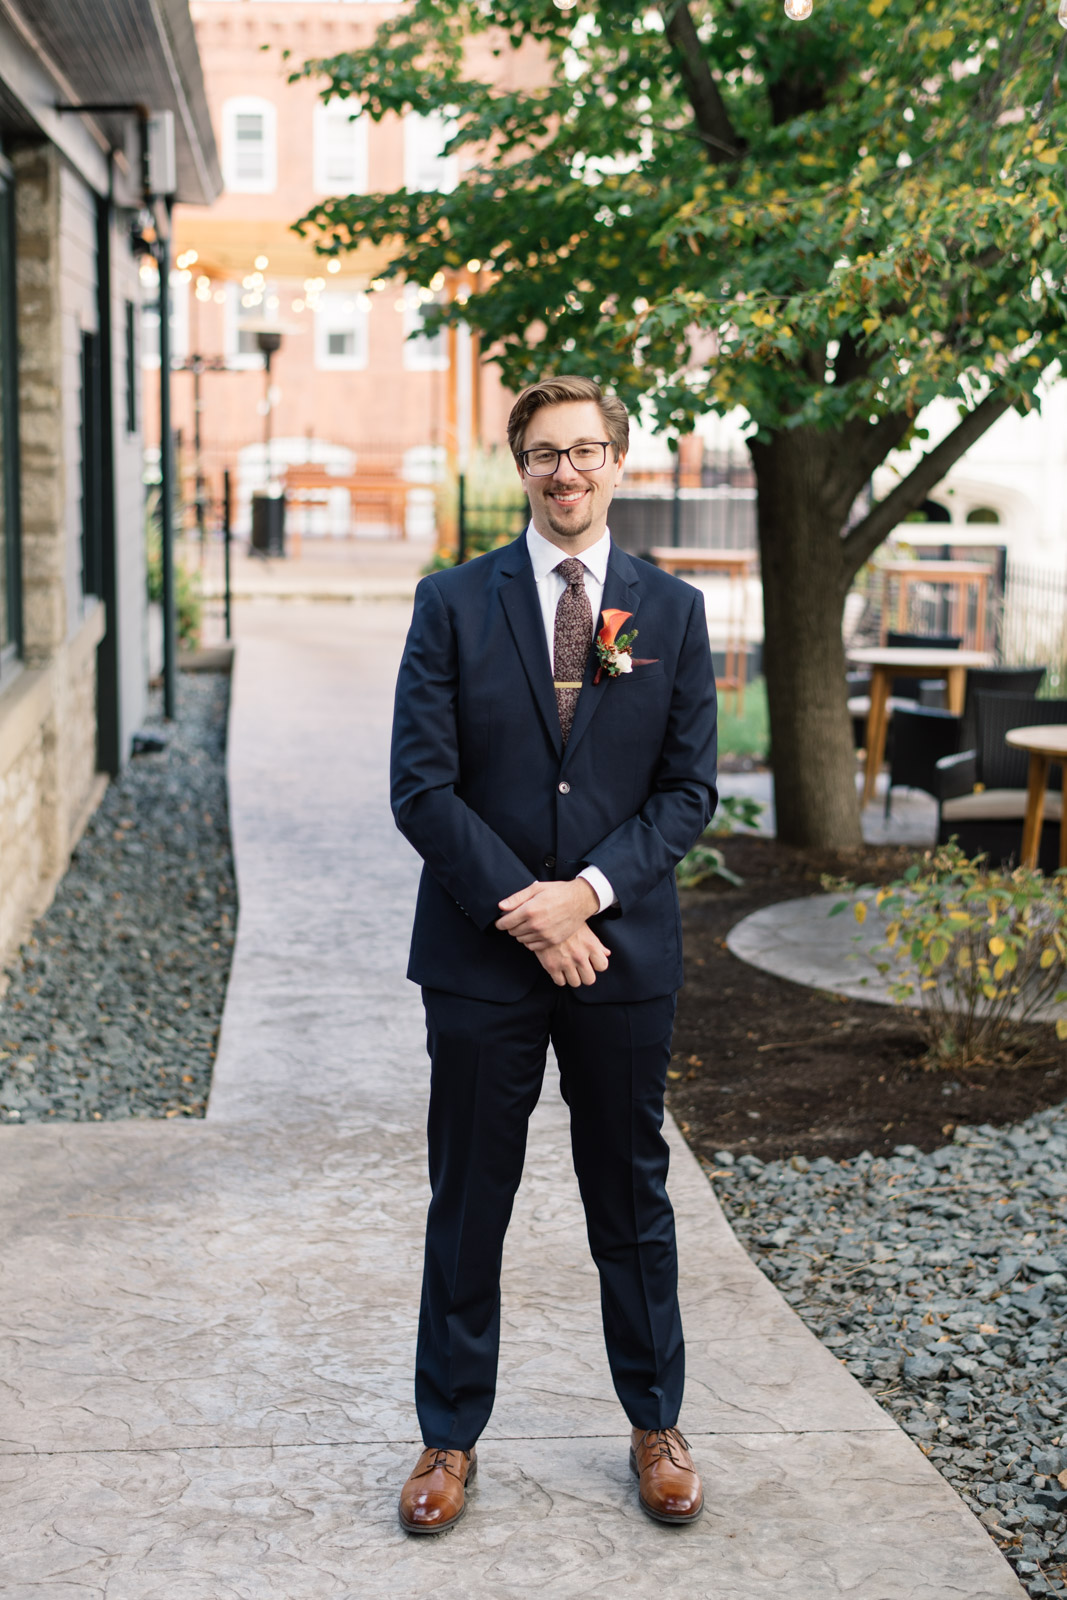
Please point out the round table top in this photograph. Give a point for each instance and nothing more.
(885, 656)
(1050, 740)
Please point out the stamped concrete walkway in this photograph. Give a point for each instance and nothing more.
(209, 1327)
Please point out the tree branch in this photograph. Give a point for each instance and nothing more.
(860, 544)
(721, 142)
(864, 446)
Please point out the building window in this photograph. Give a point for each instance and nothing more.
(247, 313)
(425, 167)
(983, 514)
(131, 366)
(179, 319)
(341, 331)
(249, 146)
(340, 148)
(422, 352)
(10, 550)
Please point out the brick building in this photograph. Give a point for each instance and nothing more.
(348, 383)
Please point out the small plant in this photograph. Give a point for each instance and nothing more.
(980, 950)
(707, 860)
(736, 811)
(188, 601)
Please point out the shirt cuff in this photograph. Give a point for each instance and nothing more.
(600, 886)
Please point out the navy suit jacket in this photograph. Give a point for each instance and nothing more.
(484, 789)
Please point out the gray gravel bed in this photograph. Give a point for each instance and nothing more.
(114, 1003)
(940, 1281)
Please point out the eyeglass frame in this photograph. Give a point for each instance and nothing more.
(605, 444)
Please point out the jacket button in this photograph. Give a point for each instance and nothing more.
(550, 861)
(564, 787)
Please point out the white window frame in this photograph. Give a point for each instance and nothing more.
(244, 360)
(179, 322)
(421, 354)
(250, 105)
(333, 112)
(331, 316)
(424, 171)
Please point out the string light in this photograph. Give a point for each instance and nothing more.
(261, 263)
(1061, 15)
(798, 10)
(333, 266)
(565, 5)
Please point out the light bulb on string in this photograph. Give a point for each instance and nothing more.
(1061, 15)
(798, 10)
(565, 5)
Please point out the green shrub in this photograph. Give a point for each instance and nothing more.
(188, 600)
(979, 950)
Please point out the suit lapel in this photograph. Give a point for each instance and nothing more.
(622, 592)
(518, 595)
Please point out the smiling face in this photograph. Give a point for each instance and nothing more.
(570, 508)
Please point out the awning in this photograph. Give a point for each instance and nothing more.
(130, 52)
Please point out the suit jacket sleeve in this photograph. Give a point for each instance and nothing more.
(647, 847)
(469, 860)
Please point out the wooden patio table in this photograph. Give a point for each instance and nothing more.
(887, 664)
(1044, 746)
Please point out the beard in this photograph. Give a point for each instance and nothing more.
(572, 526)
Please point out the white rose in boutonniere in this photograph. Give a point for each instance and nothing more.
(624, 663)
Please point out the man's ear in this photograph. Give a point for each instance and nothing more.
(620, 464)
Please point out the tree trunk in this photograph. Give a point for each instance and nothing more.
(804, 587)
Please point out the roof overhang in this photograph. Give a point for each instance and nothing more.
(128, 53)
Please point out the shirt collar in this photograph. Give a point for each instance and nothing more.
(545, 556)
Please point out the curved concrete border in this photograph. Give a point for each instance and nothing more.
(800, 940)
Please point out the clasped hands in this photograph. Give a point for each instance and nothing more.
(551, 920)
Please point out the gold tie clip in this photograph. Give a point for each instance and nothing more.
(567, 685)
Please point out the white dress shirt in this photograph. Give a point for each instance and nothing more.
(545, 558)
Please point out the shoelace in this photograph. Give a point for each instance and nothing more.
(440, 1459)
(663, 1441)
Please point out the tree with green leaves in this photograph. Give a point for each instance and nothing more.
(829, 224)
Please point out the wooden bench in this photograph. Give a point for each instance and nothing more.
(376, 487)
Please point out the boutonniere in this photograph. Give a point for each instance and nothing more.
(614, 650)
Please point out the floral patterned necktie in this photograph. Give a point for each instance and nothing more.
(572, 639)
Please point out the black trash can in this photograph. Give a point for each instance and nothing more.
(268, 523)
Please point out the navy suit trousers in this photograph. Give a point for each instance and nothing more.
(488, 1061)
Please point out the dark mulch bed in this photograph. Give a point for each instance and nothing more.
(777, 1069)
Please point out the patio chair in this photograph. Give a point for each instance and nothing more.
(982, 791)
(922, 735)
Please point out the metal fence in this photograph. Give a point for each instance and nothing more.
(1032, 622)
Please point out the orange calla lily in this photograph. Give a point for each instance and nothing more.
(613, 621)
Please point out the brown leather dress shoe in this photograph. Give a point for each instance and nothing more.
(670, 1489)
(434, 1497)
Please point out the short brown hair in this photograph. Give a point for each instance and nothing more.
(558, 391)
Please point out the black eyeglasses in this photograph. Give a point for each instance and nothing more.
(542, 462)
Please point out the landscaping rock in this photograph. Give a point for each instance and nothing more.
(941, 1281)
(114, 1003)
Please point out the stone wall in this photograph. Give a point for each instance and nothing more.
(48, 779)
(49, 785)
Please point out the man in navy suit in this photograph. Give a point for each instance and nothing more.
(551, 780)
